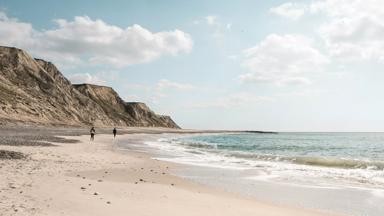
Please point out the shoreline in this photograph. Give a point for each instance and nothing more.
(96, 179)
(327, 189)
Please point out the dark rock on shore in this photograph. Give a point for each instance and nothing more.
(4, 154)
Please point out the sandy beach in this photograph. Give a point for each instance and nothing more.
(87, 178)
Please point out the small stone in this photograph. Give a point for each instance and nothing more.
(108, 202)
(173, 184)
(99, 180)
(83, 188)
(95, 193)
(136, 182)
(89, 184)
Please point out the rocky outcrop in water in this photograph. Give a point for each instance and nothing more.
(34, 91)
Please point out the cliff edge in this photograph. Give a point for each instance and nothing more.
(34, 91)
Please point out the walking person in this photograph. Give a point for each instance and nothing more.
(114, 132)
(92, 131)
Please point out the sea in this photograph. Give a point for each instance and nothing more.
(332, 172)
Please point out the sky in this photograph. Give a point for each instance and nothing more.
(221, 64)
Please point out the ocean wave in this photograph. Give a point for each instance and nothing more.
(332, 165)
(316, 161)
(320, 154)
(316, 170)
(199, 145)
(340, 163)
(252, 147)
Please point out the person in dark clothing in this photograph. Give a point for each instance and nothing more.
(114, 132)
(92, 131)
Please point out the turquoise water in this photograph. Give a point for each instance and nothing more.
(343, 150)
(322, 159)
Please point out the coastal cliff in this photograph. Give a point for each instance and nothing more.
(34, 91)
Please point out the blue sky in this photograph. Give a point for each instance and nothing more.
(259, 65)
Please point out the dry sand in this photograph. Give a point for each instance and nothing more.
(94, 179)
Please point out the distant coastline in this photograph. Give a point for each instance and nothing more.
(257, 131)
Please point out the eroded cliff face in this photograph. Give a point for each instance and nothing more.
(130, 113)
(34, 91)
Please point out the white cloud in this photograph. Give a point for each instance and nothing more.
(95, 41)
(216, 25)
(166, 84)
(135, 86)
(86, 78)
(302, 93)
(211, 20)
(295, 81)
(132, 98)
(163, 88)
(289, 10)
(354, 29)
(234, 100)
(14, 32)
(282, 59)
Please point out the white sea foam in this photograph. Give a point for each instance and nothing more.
(275, 168)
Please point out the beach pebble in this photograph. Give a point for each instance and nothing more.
(173, 184)
(99, 180)
(95, 193)
(141, 180)
(83, 188)
(89, 184)
(108, 202)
